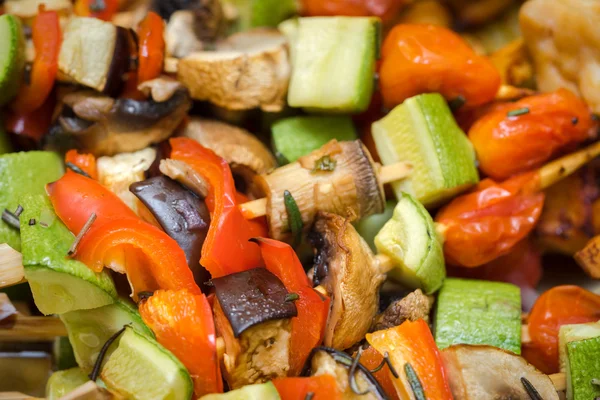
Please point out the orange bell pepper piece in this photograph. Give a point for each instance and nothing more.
(372, 359)
(151, 47)
(227, 248)
(413, 343)
(418, 59)
(308, 327)
(85, 162)
(559, 306)
(508, 144)
(183, 323)
(101, 9)
(323, 387)
(488, 222)
(47, 38)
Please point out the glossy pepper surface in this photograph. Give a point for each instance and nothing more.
(488, 222)
(151, 47)
(520, 136)
(384, 9)
(85, 162)
(418, 59)
(322, 387)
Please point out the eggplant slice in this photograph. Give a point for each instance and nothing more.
(100, 125)
(181, 214)
(489, 373)
(346, 268)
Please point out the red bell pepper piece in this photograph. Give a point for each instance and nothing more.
(488, 222)
(101, 9)
(372, 359)
(119, 238)
(308, 327)
(31, 126)
(323, 387)
(183, 323)
(227, 248)
(151, 47)
(413, 343)
(559, 306)
(47, 38)
(387, 10)
(86, 162)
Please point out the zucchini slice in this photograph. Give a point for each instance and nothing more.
(12, 57)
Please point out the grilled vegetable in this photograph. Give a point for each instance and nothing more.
(95, 53)
(262, 13)
(370, 226)
(413, 307)
(251, 298)
(104, 126)
(24, 174)
(486, 372)
(261, 391)
(181, 214)
(352, 184)
(59, 284)
(298, 136)
(587, 258)
(333, 63)
(27, 9)
(12, 57)
(64, 382)
(208, 15)
(423, 132)
(246, 71)
(347, 269)
(478, 312)
(572, 333)
(411, 241)
(583, 369)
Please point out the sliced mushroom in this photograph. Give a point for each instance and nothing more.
(246, 155)
(325, 364)
(117, 173)
(184, 174)
(489, 373)
(160, 89)
(104, 126)
(413, 307)
(180, 36)
(208, 15)
(95, 53)
(346, 268)
(248, 70)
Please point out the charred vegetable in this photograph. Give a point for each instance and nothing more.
(105, 126)
(413, 307)
(345, 266)
(181, 214)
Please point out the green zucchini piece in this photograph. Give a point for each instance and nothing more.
(262, 391)
(262, 13)
(62, 352)
(64, 382)
(90, 329)
(582, 367)
(370, 226)
(423, 132)
(12, 57)
(297, 136)
(58, 284)
(478, 312)
(139, 368)
(409, 238)
(333, 63)
(572, 333)
(23, 174)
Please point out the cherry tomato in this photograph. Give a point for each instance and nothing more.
(559, 306)
(521, 136)
(426, 58)
(384, 9)
(488, 222)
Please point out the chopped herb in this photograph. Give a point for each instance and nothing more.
(457, 102)
(386, 360)
(291, 297)
(352, 374)
(82, 233)
(516, 113)
(309, 396)
(294, 217)
(76, 169)
(145, 295)
(530, 389)
(324, 164)
(32, 222)
(96, 371)
(574, 120)
(11, 219)
(18, 211)
(42, 223)
(414, 381)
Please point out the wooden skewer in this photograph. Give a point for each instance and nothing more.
(387, 174)
(89, 391)
(32, 329)
(565, 166)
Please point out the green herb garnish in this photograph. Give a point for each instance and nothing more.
(414, 381)
(81, 233)
(294, 217)
(517, 112)
(11, 219)
(324, 164)
(96, 371)
(291, 297)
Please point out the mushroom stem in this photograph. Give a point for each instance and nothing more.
(171, 65)
(559, 380)
(11, 266)
(387, 174)
(558, 169)
(385, 263)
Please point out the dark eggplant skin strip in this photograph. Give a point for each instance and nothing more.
(182, 215)
(252, 297)
(119, 66)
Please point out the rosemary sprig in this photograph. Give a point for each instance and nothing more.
(414, 381)
(517, 112)
(81, 234)
(11, 219)
(530, 389)
(294, 217)
(386, 360)
(96, 371)
(352, 375)
(76, 169)
(291, 297)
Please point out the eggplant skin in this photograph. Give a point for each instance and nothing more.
(182, 214)
(252, 297)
